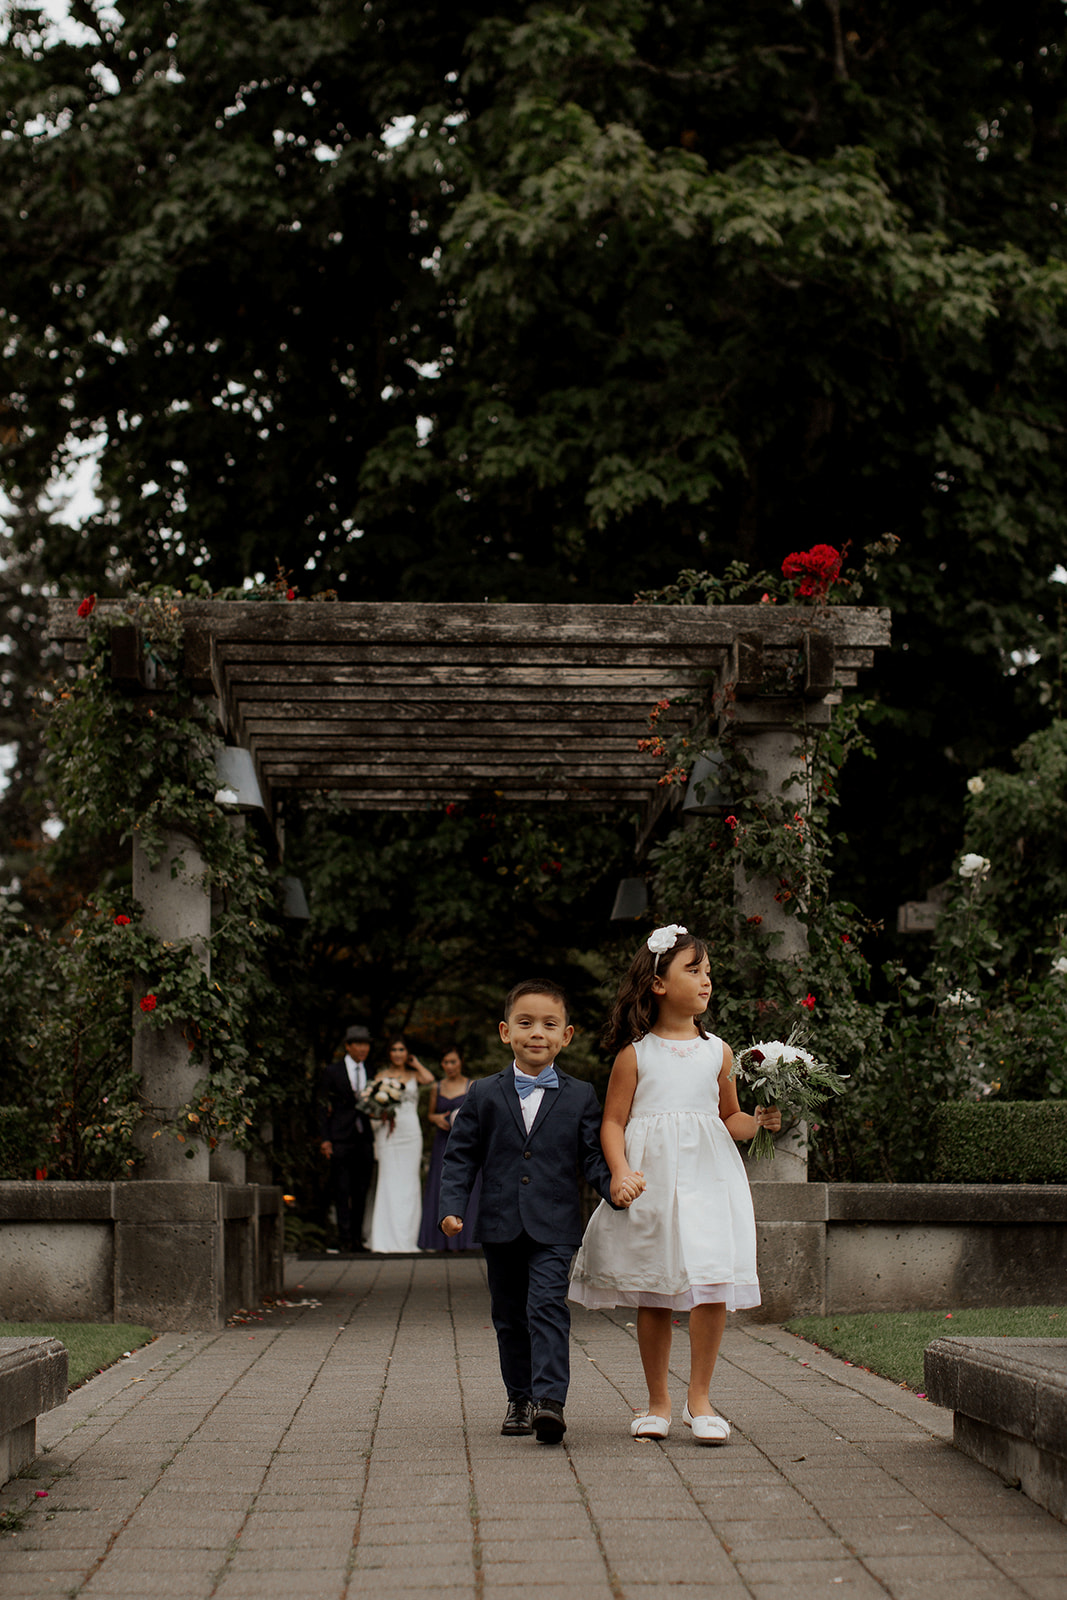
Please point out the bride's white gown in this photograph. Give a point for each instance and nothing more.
(398, 1198)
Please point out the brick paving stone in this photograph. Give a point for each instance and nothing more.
(512, 1588)
(905, 1573)
(1028, 1563)
(317, 1559)
(996, 1535)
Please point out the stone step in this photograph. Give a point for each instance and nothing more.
(33, 1379)
(1008, 1399)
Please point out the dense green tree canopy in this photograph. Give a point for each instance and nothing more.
(548, 301)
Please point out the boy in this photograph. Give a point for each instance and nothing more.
(527, 1130)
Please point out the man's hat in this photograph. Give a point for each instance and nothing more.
(357, 1034)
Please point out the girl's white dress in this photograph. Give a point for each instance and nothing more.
(398, 1197)
(690, 1238)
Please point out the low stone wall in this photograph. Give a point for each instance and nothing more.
(171, 1255)
(1008, 1399)
(826, 1248)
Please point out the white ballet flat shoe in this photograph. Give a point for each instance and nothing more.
(650, 1427)
(707, 1430)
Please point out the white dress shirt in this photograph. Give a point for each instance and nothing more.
(357, 1074)
(529, 1104)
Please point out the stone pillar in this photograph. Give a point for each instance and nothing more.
(775, 757)
(177, 906)
(766, 725)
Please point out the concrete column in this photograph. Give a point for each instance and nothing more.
(177, 906)
(766, 728)
(775, 756)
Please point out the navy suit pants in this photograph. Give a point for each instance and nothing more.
(528, 1290)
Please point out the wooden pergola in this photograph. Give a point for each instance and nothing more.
(395, 706)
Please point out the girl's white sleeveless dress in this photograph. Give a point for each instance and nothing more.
(398, 1196)
(690, 1239)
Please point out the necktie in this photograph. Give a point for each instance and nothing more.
(546, 1079)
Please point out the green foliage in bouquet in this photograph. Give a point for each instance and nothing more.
(783, 1073)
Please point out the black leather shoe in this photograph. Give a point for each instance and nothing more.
(518, 1419)
(549, 1423)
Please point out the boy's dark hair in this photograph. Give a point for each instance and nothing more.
(536, 986)
(635, 1008)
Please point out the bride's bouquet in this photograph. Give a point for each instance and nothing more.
(380, 1098)
(784, 1075)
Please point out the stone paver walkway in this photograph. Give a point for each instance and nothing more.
(351, 1448)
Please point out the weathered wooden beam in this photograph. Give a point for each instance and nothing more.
(383, 622)
(416, 800)
(318, 663)
(502, 692)
(375, 764)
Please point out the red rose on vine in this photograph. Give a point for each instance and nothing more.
(817, 569)
(122, 921)
(86, 607)
(148, 1003)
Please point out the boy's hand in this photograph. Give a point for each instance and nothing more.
(626, 1188)
(768, 1117)
(450, 1226)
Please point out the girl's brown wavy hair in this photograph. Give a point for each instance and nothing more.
(635, 1009)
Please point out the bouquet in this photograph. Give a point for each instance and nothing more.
(379, 1100)
(784, 1075)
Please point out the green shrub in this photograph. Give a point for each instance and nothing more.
(1007, 1141)
(22, 1143)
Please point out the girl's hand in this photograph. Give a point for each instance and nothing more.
(768, 1117)
(626, 1188)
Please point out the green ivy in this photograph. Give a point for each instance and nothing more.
(127, 766)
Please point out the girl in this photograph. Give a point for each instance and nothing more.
(398, 1150)
(688, 1242)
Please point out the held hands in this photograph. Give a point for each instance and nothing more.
(768, 1117)
(450, 1226)
(626, 1188)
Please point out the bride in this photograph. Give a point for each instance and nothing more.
(398, 1150)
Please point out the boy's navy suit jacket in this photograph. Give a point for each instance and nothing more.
(529, 1180)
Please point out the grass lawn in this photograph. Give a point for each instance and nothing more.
(91, 1346)
(891, 1343)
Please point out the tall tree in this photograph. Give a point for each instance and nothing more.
(550, 300)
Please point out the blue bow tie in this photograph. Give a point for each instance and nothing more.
(546, 1079)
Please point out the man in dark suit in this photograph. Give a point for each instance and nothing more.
(347, 1138)
(528, 1130)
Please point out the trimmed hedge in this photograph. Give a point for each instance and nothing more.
(1003, 1141)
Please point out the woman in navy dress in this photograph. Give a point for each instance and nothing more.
(446, 1097)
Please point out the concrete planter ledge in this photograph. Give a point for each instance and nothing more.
(33, 1378)
(169, 1254)
(843, 1247)
(1008, 1399)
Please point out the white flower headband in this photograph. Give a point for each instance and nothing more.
(662, 940)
